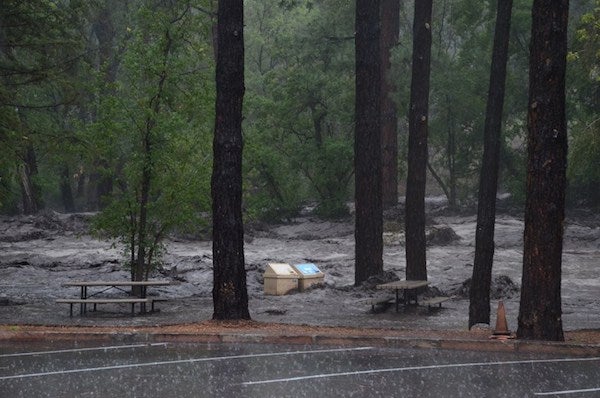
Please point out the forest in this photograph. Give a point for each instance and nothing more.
(109, 106)
(86, 86)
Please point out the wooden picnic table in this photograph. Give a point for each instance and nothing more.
(407, 287)
(85, 298)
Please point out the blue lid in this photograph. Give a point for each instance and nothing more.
(307, 269)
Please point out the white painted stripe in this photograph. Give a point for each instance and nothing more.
(116, 347)
(425, 367)
(191, 360)
(564, 392)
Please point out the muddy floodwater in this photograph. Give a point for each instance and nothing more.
(40, 253)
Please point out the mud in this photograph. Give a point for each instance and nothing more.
(40, 253)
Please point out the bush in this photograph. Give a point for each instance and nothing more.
(583, 172)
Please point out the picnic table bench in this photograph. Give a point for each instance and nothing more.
(85, 298)
(132, 301)
(379, 302)
(407, 287)
(432, 301)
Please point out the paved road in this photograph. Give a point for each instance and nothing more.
(251, 370)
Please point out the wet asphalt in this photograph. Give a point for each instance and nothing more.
(71, 369)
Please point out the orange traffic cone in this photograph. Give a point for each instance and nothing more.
(501, 332)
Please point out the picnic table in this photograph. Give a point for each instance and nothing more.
(94, 298)
(408, 288)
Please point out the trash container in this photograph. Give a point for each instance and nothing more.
(279, 279)
(308, 275)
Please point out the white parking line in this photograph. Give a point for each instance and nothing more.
(191, 360)
(426, 367)
(564, 392)
(116, 347)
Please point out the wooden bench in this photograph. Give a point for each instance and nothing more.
(154, 300)
(95, 301)
(430, 302)
(379, 301)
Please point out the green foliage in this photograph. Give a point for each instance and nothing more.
(583, 73)
(513, 158)
(8, 142)
(461, 54)
(583, 171)
(583, 97)
(41, 44)
(334, 170)
(299, 102)
(269, 192)
(153, 130)
(86, 86)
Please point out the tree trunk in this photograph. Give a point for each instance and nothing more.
(28, 201)
(451, 155)
(105, 32)
(145, 245)
(104, 187)
(540, 308)
(367, 144)
(66, 192)
(103, 28)
(479, 307)
(230, 295)
(390, 29)
(139, 265)
(142, 233)
(30, 192)
(416, 266)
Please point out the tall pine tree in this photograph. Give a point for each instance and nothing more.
(540, 312)
(479, 307)
(418, 119)
(367, 143)
(230, 294)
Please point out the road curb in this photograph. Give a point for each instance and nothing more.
(522, 346)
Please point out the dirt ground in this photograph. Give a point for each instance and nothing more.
(40, 253)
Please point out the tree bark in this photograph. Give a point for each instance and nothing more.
(367, 143)
(451, 158)
(230, 296)
(103, 28)
(416, 266)
(390, 30)
(141, 226)
(144, 243)
(31, 198)
(540, 312)
(66, 192)
(105, 32)
(479, 307)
